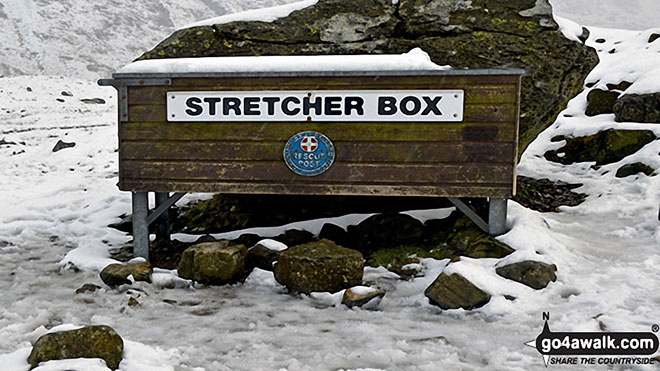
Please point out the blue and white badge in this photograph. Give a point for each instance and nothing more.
(309, 153)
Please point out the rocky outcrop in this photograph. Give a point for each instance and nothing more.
(534, 274)
(634, 169)
(460, 33)
(320, 266)
(604, 147)
(600, 101)
(88, 342)
(117, 274)
(215, 263)
(454, 292)
(546, 195)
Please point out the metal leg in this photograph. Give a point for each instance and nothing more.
(163, 221)
(497, 216)
(140, 225)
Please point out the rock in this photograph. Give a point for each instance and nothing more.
(124, 225)
(88, 287)
(67, 94)
(319, 266)
(262, 257)
(294, 237)
(206, 238)
(653, 37)
(633, 169)
(215, 263)
(604, 147)
(472, 242)
(336, 234)
(600, 101)
(622, 86)
(461, 33)
(117, 274)
(385, 230)
(60, 145)
(545, 195)
(248, 239)
(534, 274)
(454, 291)
(638, 108)
(93, 101)
(88, 342)
(362, 296)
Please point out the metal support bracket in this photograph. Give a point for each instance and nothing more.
(142, 218)
(496, 224)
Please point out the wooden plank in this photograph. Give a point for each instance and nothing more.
(396, 152)
(439, 190)
(328, 82)
(339, 132)
(339, 172)
(474, 94)
(472, 113)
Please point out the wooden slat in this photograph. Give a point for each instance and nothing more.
(339, 132)
(287, 83)
(439, 190)
(396, 152)
(339, 172)
(474, 94)
(472, 113)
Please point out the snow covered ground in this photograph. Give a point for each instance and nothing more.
(54, 238)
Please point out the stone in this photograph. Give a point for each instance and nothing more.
(319, 266)
(67, 93)
(545, 195)
(260, 256)
(653, 37)
(117, 274)
(60, 145)
(385, 230)
(88, 287)
(634, 169)
(93, 101)
(88, 342)
(294, 237)
(600, 101)
(460, 33)
(362, 296)
(605, 147)
(638, 108)
(622, 86)
(336, 234)
(215, 263)
(472, 242)
(534, 274)
(454, 292)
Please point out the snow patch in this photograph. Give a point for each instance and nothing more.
(269, 14)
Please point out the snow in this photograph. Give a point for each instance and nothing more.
(273, 245)
(54, 238)
(416, 59)
(269, 14)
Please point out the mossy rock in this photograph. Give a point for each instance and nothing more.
(634, 169)
(454, 292)
(319, 266)
(534, 274)
(461, 33)
(600, 101)
(382, 231)
(215, 263)
(88, 342)
(604, 147)
(117, 274)
(638, 108)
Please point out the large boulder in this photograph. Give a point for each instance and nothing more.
(534, 274)
(214, 263)
(88, 342)
(454, 292)
(460, 33)
(320, 266)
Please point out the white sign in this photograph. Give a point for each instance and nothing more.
(321, 105)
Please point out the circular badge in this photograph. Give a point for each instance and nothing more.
(309, 153)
